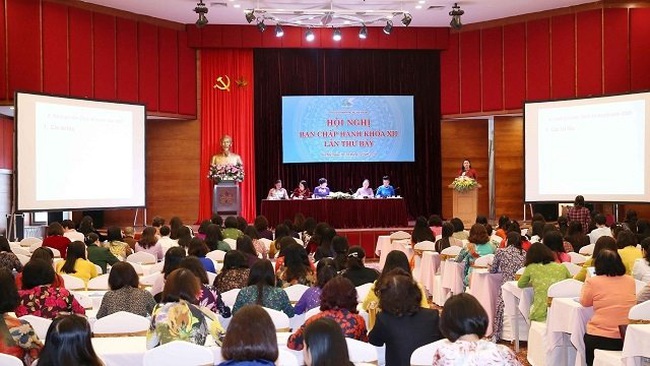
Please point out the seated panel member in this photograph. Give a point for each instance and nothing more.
(301, 191)
(365, 190)
(277, 192)
(385, 190)
(322, 190)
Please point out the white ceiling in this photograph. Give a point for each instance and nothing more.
(232, 11)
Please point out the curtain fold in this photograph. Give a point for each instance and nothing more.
(227, 113)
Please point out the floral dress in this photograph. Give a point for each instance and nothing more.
(23, 344)
(352, 326)
(10, 261)
(211, 300)
(507, 261)
(177, 321)
(272, 298)
(541, 277)
(231, 279)
(310, 299)
(47, 302)
(479, 353)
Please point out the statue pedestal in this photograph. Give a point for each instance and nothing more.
(226, 199)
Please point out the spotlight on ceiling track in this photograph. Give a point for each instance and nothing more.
(261, 26)
(250, 15)
(309, 35)
(279, 32)
(455, 14)
(337, 35)
(201, 10)
(363, 32)
(389, 27)
(406, 20)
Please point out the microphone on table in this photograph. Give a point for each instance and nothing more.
(350, 190)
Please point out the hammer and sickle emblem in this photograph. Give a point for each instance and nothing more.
(221, 84)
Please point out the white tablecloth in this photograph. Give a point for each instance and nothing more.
(384, 246)
(637, 344)
(568, 316)
(517, 302)
(452, 276)
(428, 268)
(485, 287)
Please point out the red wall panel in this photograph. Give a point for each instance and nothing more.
(269, 40)
(470, 71)
(640, 48)
(168, 75)
(450, 77)
(386, 41)
(126, 58)
(24, 49)
(55, 49)
(589, 53)
(514, 62)
(292, 37)
(8, 144)
(104, 53)
(80, 50)
(372, 41)
(406, 38)
(232, 36)
(350, 38)
(538, 86)
(563, 57)
(3, 53)
(148, 65)
(186, 77)
(616, 62)
(492, 69)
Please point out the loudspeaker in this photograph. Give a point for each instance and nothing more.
(19, 233)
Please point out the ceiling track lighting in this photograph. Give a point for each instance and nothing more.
(250, 15)
(406, 20)
(388, 27)
(309, 35)
(455, 14)
(201, 10)
(279, 32)
(336, 36)
(363, 32)
(261, 26)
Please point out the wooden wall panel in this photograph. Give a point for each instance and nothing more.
(5, 202)
(6, 142)
(461, 139)
(508, 166)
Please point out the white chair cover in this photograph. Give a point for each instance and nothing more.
(99, 283)
(178, 353)
(229, 297)
(72, 282)
(267, 243)
(231, 242)
(400, 235)
(37, 245)
(640, 311)
(359, 351)
(211, 277)
(28, 242)
(484, 261)
(8, 360)
(425, 245)
(286, 358)
(157, 268)
(99, 269)
(572, 267)
(149, 279)
(424, 354)
(121, 322)
(216, 255)
(565, 288)
(312, 312)
(21, 251)
(451, 251)
(22, 258)
(137, 267)
(576, 258)
(142, 258)
(295, 292)
(40, 325)
(363, 290)
(587, 249)
(608, 358)
(639, 286)
(280, 319)
(55, 252)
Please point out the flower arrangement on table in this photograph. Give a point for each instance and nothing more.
(341, 196)
(227, 172)
(463, 184)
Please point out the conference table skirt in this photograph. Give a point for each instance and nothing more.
(345, 213)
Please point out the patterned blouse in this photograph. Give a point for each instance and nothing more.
(309, 279)
(272, 298)
(174, 321)
(231, 279)
(541, 277)
(507, 261)
(482, 352)
(24, 343)
(211, 299)
(260, 248)
(352, 326)
(132, 300)
(10, 261)
(47, 302)
(119, 249)
(310, 299)
(469, 253)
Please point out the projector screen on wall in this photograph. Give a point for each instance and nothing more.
(78, 154)
(347, 128)
(595, 147)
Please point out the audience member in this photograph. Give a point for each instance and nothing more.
(245, 245)
(38, 297)
(626, 241)
(612, 294)
(311, 298)
(241, 223)
(642, 230)
(576, 236)
(261, 290)
(76, 263)
(214, 239)
(231, 230)
(260, 247)
(210, 297)
(19, 339)
(217, 220)
(604, 242)
(198, 249)
(554, 241)
(459, 229)
(56, 240)
(8, 260)
(251, 339)
(600, 230)
(261, 224)
(70, 231)
(340, 245)
(478, 246)
(87, 226)
(45, 254)
(537, 231)
(324, 344)
(339, 303)
(356, 271)
(435, 224)
(173, 259)
(579, 213)
(98, 254)
(502, 227)
(422, 231)
(541, 272)
(149, 243)
(165, 241)
(116, 244)
(68, 342)
(563, 224)
(201, 231)
(184, 237)
(447, 238)
(325, 248)
(129, 236)
(463, 323)
(402, 325)
(641, 269)
(158, 222)
(175, 224)
(308, 230)
(234, 273)
(178, 317)
(125, 293)
(281, 232)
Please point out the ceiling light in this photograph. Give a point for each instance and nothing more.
(389, 27)
(407, 19)
(337, 35)
(279, 32)
(418, 6)
(236, 6)
(201, 10)
(250, 15)
(261, 26)
(363, 32)
(455, 14)
(309, 35)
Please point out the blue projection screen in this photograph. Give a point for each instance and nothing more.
(347, 129)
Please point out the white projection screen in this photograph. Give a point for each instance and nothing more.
(78, 154)
(595, 147)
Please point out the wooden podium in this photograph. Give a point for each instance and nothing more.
(226, 199)
(465, 205)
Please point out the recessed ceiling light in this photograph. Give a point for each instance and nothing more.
(418, 6)
(237, 6)
(421, 2)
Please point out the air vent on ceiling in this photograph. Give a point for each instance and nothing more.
(436, 7)
(218, 3)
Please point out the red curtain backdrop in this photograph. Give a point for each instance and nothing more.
(227, 113)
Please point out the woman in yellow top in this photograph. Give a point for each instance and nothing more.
(76, 263)
(394, 259)
(604, 242)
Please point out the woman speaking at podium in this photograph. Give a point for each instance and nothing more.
(466, 170)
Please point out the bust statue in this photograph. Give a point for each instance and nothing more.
(226, 157)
